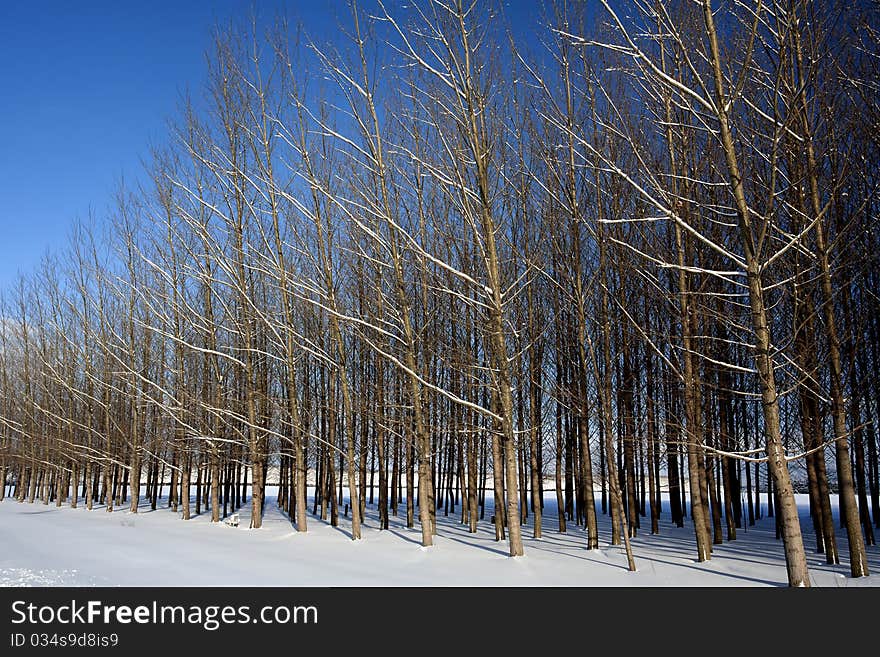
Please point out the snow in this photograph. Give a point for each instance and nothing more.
(48, 546)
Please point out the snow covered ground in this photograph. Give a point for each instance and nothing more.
(48, 546)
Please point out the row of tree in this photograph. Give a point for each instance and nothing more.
(632, 247)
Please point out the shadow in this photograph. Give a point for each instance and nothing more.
(474, 545)
(345, 532)
(583, 556)
(697, 567)
(403, 536)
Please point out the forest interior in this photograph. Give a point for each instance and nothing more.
(451, 301)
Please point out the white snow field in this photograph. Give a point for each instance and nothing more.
(47, 546)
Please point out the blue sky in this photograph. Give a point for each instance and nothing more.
(86, 87)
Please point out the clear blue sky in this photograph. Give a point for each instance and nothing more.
(86, 86)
